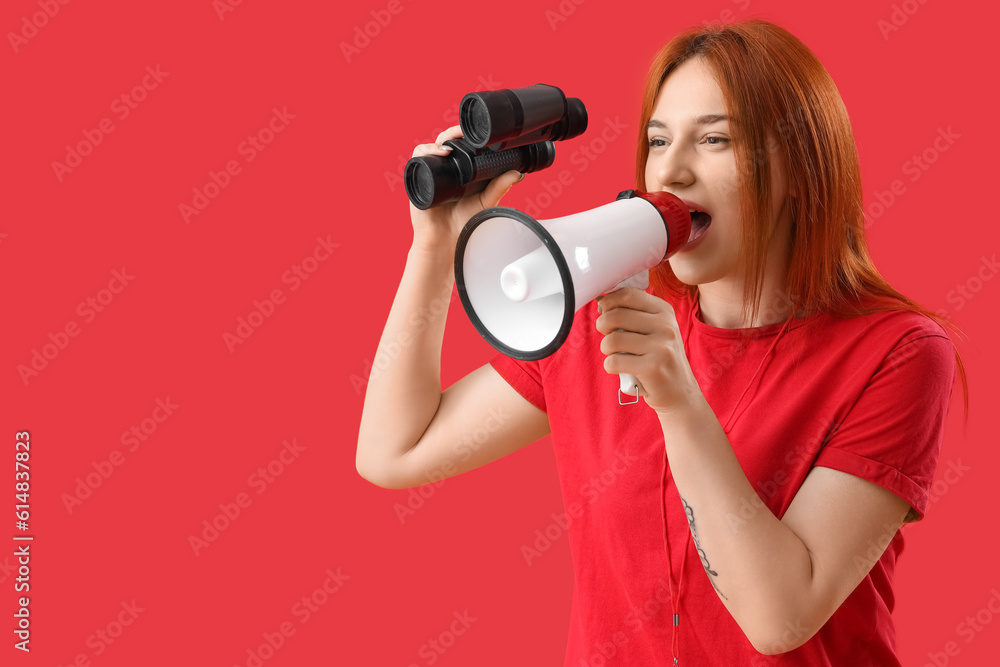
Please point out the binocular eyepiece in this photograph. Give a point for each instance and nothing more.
(504, 130)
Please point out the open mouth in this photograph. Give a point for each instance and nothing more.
(700, 222)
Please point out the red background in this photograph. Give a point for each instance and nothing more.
(332, 173)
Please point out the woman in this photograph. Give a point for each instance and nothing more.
(794, 401)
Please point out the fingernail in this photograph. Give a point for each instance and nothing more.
(445, 148)
(522, 177)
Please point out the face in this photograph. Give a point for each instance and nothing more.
(691, 156)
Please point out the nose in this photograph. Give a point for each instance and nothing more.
(672, 166)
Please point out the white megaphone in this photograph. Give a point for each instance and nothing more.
(522, 280)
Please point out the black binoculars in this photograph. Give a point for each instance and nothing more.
(504, 130)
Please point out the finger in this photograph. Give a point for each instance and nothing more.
(628, 342)
(453, 132)
(499, 187)
(635, 299)
(437, 148)
(629, 320)
(431, 149)
(633, 364)
(626, 297)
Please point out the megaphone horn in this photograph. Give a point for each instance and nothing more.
(522, 280)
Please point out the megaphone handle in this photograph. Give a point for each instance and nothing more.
(628, 384)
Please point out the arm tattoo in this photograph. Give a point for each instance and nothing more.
(701, 552)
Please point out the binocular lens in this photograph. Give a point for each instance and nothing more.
(419, 181)
(477, 125)
(423, 183)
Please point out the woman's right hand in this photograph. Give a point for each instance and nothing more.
(437, 228)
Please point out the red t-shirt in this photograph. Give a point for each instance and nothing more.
(867, 396)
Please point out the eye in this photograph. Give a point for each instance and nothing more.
(657, 142)
(718, 141)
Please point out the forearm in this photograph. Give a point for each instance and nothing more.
(404, 387)
(761, 570)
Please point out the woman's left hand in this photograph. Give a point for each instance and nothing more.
(644, 328)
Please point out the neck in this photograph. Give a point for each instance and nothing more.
(721, 302)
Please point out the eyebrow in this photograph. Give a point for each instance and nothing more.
(707, 119)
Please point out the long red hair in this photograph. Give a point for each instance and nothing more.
(781, 99)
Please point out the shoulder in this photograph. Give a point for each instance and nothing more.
(893, 330)
(904, 324)
(902, 348)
